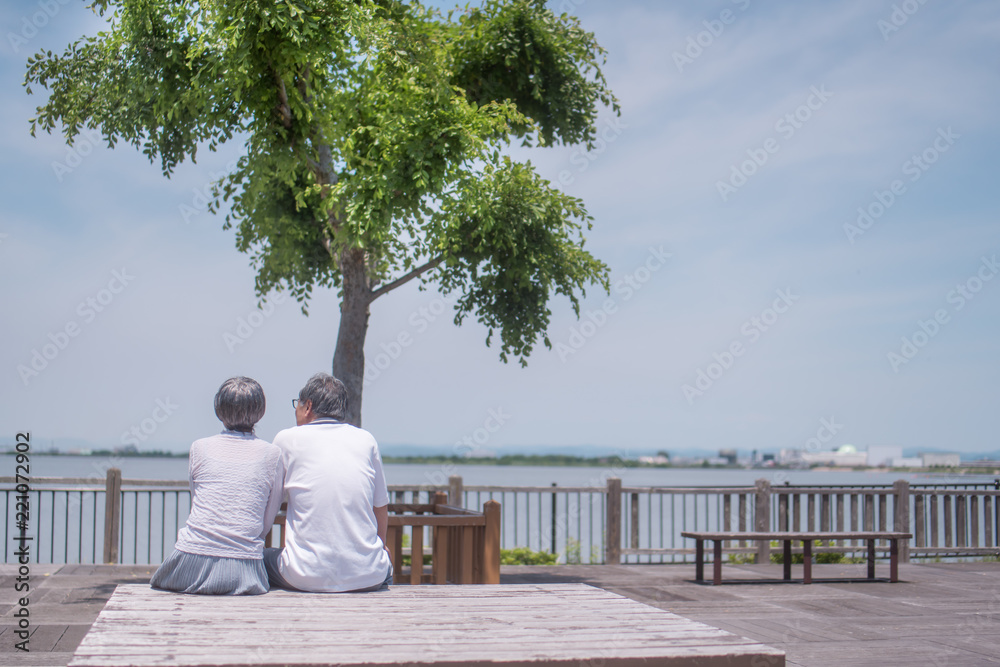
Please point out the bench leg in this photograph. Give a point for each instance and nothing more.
(807, 565)
(699, 560)
(787, 560)
(717, 562)
(871, 559)
(894, 560)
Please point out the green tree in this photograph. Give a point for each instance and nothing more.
(374, 135)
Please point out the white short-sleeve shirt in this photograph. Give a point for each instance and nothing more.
(333, 480)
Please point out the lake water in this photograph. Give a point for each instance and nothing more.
(95, 467)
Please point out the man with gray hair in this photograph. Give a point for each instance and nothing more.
(337, 517)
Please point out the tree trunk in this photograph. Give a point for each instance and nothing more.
(349, 356)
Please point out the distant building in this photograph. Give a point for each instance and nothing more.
(846, 456)
(657, 460)
(907, 462)
(729, 455)
(882, 455)
(941, 459)
(790, 457)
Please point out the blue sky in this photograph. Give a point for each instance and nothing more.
(791, 191)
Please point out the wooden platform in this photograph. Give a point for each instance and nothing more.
(519, 624)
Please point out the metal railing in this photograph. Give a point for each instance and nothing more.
(75, 520)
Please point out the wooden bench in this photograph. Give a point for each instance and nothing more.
(787, 537)
(474, 626)
(465, 544)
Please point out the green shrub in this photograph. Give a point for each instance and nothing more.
(408, 560)
(525, 556)
(778, 557)
(573, 551)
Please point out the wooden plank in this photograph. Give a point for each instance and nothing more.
(435, 520)
(634, 537)
(794, 535)
(467, 536)
(920, 528)
(961, 521)
(439, 560)
(934, 521)
(947, 521)
(614, 521)
(491, 543)
(416, 555)
(840, 516)
(973, 521)
(987, 523)
(112, 514)
(509, 625)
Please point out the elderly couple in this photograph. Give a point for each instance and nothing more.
(330, 474)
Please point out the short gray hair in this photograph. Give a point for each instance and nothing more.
(328, 396)
(240, 404)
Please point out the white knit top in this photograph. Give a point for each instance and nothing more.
(236, 486)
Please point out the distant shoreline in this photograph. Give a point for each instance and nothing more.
(562, 460)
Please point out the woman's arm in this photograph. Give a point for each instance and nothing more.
(382, 523)
(275, 498)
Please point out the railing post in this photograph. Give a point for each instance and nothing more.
(901, 515)
(491, 543)
(112, 514)
(762, 519)
(613, 529)
(634, 540)
(554, 517)
(455, 491)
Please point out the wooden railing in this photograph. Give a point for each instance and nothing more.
(945, 521)
(465, 544)
(88, 520)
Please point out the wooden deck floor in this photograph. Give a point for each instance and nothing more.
(476, 626)
(941, 615)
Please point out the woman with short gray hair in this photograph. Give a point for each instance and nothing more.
(236, 487)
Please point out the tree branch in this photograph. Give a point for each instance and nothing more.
(283, 110)
(415, 273)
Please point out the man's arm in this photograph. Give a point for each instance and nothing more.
(382, 523)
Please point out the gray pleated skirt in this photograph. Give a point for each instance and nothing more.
(210, 575)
